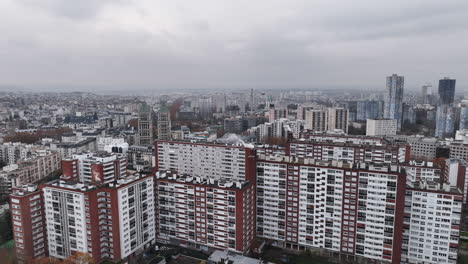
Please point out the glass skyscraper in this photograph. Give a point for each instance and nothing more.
(393, 108)
(446, 90)
(368, 109)
(464, 118)
(445, 119)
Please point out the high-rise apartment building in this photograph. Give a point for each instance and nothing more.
(381, 127)
(108, 222)
(432, 224)
(12, 152)
(302, 111)
(348, 151)
(164, 123)
(317, 120)
(231, 162)
(393, 107)
(280, 128)
(417, 171)
(28, 221)
(145, 125)
(204, 213)
(277, 113)
(338, 119)
(352, 209)
(446, 91)
(100, 167)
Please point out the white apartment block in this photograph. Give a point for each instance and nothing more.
(94, 167)
(112, 145)
(110, 222)
(280, 128)
(65, 214)
(351, 209)
(421, 170)
(338, 119)
(381, 127)
(12, 152)
(456, 174)
(378, 153)
(342, 138)
(431, 224)
(277, 113)
(231, 162)
(205, 213)
(327, 119)
(317, 120)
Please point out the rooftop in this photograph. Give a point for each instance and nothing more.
(333, 163)
(434, 186)
(347, 144)
(230, 257)
(185, 178)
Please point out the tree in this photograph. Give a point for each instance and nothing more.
(6, 227)
(133, 123)
(174, 108)
(276, 141)
(30, 138)
(76, 258)
(79, 258)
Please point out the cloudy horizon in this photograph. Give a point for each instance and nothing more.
(231, 44)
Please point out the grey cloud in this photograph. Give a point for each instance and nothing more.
(79, 9)
(219, 44)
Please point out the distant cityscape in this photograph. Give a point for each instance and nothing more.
(242, 177)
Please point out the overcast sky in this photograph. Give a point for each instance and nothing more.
(231, 44)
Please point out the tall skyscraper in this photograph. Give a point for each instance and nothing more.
(164, 123)
(368, 109)
(445, 120)
(426, 93)
(464, 118)
(446, 90)
(252, 100)
(145, 125)
(393, 108)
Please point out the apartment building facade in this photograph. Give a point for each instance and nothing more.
(233, 162)
(43, 164)
(90, 167)
(421, 170)
(350, 152)
(204, 213)
(432, 223)
(108, 222)
(351, 209)
(28, 221)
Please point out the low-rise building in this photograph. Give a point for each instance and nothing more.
(381, 127)
(42, 165)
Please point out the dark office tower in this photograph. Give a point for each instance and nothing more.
(446, 91)
(394, 98)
